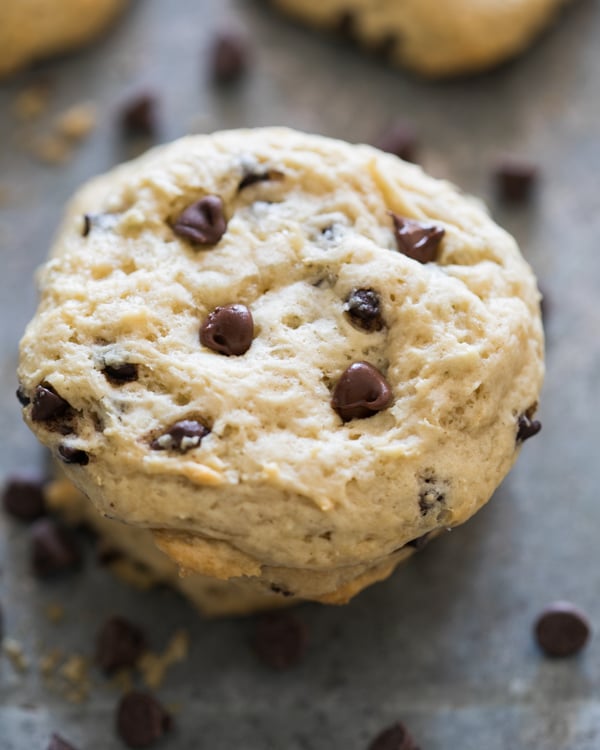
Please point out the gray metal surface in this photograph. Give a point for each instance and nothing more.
(445, 644)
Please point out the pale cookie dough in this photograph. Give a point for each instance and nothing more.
(140, 563)
(32, 30)
(434, 38)
(340, 399)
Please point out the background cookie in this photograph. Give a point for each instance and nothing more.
(31, 30)
(459, 36)
(289, 356)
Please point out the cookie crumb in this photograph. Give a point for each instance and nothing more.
(77, 122)
(15, 654)
(153, 667)
(32, 101)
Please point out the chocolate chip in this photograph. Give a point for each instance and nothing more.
(59, 743)
(516, 180)
(203, 223)
(361, 392)
(401, 140)
(141, 720)
(47, 404)
(562, 630)
(139, 115)
(54, 548)
(527, 427)
(230, 57)
(417, 240)
(253, 177)
(70, 455)
(280, 640)
(395, 737)
(228, 330)
(364, 310)
(87, 225)
(119, 644)
(119, 374)
(281, 590)
(23, 497)
(22, 396)
(182, 436)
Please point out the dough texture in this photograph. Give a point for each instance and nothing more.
(238, 462)
(32, 30)
(433, 38)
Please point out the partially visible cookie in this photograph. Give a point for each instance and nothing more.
(434, 38)
(288, 356)
(31, 30)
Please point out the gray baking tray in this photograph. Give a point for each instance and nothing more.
(444, 645)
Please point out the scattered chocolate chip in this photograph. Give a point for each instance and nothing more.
(364, 309)
(228, 330)
(203, 223)
(47, 404)
(230, 57)
(395, 737)
(54, 548)
(119, 644)
(253, 177)
(516, 180)
(87, 225)
(527, 427)
(361, 392)
(141, 720)
(400, 139)
(420, 541)
(280, 640)
(182, 436)
(59, 743)
(562, 630)
(139, 115)
(119, 374)
(23, 497)
(22, 396)
(70, 455)
(417, 240)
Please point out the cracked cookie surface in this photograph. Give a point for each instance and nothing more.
(325, 366)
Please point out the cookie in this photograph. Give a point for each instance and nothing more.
(32, 30)
(459, 37)
(289, 357)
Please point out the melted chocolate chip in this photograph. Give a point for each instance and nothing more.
(230, 57)
(54, 548)
(70, 455)
(401, 140)
(182, 436)
(87, 225)
(527, 427)
(119, 374)
(228, 330)
(47, 404)
(141, 720)
(281, 590)
(22, 396)
(139, 115)
(364, 309)
(253, 177)
(119, 644)
(417, 240)
(23, 497)
(562, 630)
(395, 737)
(361, 392)
(203, 223)
(59, 743)
(280, 640)
(516, 180)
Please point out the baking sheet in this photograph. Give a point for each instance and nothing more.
(445, 644)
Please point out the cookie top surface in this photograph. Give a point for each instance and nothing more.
(458, 36)
(235, 339)
(31, 30)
